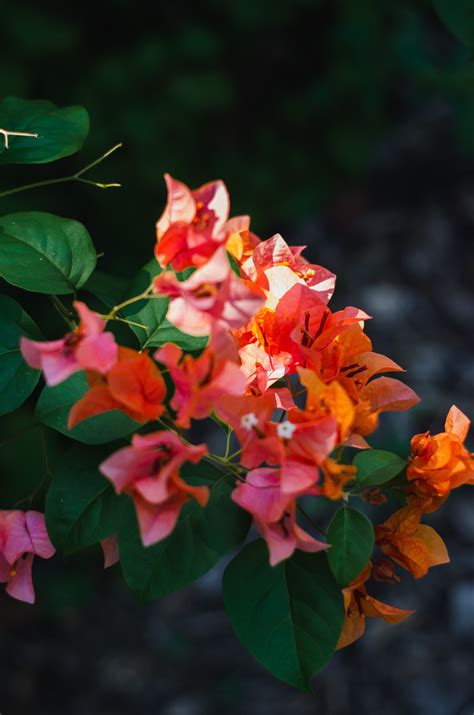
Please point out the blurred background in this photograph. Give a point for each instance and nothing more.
(348, 127)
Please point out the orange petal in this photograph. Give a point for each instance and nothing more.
(386, 393)
(353, 628)
(376, 609)
(96, 401)
(457, 423)
(438, 553)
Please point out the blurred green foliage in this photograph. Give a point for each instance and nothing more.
(285, 100)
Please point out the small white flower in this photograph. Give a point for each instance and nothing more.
(286, 429)
(248, 421)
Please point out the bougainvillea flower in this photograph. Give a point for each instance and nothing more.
(199, 382)
(441, 462)
(23, 535)
(359, 605)
(148, 471)
(261, 369)
(277, 267)
(194, 224)
(329, 399)
(212, 295)
(134, 385)
(274, 514)
(248, 416)
(241, 242)
(86, 348)
(414, 546)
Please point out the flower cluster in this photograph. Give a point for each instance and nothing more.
(295, 382)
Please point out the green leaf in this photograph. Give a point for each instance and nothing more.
(61, 132)
(81, 505)
(45, 253)
(288, 616)
(147, 312)
(201, 537)
(458, 16)
(351, 536)
(376, 466)
(108, 289)
(17, 379)
(55, 404)
(152, 313)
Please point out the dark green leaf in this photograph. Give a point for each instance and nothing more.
(289, 616)
(45, 253)
(108, 289)
(376, 466)
(152, 313)
(81, 505)
(199, 540)
(61, 132)
(351, 536)
(458, 16)
(55, 404)
(17, 379)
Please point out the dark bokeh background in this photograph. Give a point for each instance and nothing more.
(347, 126)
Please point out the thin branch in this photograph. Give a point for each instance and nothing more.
(7, 133)
(64, 179)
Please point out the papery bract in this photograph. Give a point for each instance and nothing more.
(133, 385)
(414, 546)
(441, 462)
(148, 471)
(194, 224)
(274, 514)
(359, 605)
(23, 535)
(213, 296)
(200, 382)
(86, 348)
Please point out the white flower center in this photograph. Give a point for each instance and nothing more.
(286, 429)
(248, 421)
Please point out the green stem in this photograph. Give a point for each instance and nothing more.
(311, 520)
(63, 311)
(130, 301)
(65, 179)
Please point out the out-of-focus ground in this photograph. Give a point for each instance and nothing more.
(402, 246)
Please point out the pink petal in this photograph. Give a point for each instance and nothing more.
(56, 362)
(156, 522)
(261, 495)
(215, 198)
(36, 526)
(18, 539)
(297, 477)
(281, 543)
(98, 353)
(180, 206)
(92, 324)
(20, 586)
